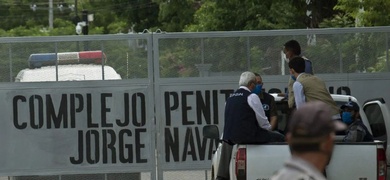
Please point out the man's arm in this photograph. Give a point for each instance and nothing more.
(255, 103)
(299, 96)
(290, 93)
(355, 134)
(274, 122)
(273, 114)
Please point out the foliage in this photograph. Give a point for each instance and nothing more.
(356, 13)
(117, 27)
(63, 27)
(178, 58)
(366, 12)
(247, 15)
(338, 21)
(174, 15)
(380, 66)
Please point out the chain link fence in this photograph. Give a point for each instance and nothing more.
(212, 54)
(158, 56)
(124, 53)
(223, 53)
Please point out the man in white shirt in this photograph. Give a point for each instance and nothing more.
(309, 88)
(291, 50)
(245, 122)
(245, 119)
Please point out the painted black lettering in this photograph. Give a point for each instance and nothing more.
(73, 108)
(203, 106)
(201, 142)
(331, 89)
(62, 112)
(172, 144)
(73, 160)
(169, 107)
(189, 145)
(215, 107)
(185, 108)
(90, 123)
(345, 89)
(226, 92)
(90, 136)
(105, 109)
(109, 144)
(142, 99)
(211, 149)
(15, 112)
(139, 146)
(123, 147)
(126, 112)
(39, 100)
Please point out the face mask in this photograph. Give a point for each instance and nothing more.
(347, 117)
(293, 77)
(257, 89)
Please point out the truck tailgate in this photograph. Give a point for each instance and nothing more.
(349, 160)
(353, 161)
(272, 158)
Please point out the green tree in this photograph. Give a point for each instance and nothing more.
(367, 12)
(366, 56)
(174, 15)
(246, 15)
(141, 14)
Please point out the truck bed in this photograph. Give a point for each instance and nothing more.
(349, 160)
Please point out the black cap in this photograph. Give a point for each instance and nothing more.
(351, 105)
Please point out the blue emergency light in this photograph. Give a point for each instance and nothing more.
(50, 59)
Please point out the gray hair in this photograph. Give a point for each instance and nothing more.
(247, 78)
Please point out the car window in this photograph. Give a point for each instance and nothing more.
(376, 120)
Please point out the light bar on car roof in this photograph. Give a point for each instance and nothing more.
(50, 59)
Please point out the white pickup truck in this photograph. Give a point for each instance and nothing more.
(350, 161)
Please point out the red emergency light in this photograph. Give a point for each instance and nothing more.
(50, 59)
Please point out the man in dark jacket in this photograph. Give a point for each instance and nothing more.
(356, 131)
(245, 122)
(269, 104)
(245, 119)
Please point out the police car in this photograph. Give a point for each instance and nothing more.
(67, 66)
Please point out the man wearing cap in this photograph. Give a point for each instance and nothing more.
(308, 87)
(310, 138)
(356, 131)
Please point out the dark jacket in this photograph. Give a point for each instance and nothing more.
(269, 105)
(241, 126)
(358, 132)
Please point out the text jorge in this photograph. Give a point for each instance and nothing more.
(97, 140)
